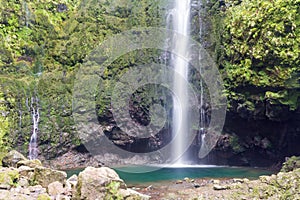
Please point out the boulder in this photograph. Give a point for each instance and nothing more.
(26, 172)
(132, 194)
(23, 182)
(221, 187)
(290, 164)
(55, 188)
(8, 177)
(12, 158)
(37, 189)
(44, 176)
(8, 195)
(30, 163)
(93, 183)
(71, 184)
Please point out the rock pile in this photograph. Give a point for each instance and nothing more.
(23, 179)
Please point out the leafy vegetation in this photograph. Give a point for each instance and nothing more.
(42, 44)
(261, 46)
(3, 127)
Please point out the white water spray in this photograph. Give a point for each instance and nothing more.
(33, 147)
(181, 24)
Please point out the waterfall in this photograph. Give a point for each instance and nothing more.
(35, 114)
(180, 126)
(27, 14)
(203, 120)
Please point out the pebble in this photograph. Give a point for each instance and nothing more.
(220, 187)
(186, 179)
(238, 180)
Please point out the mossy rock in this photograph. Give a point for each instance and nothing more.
(43, 197)
(8, 177)
(12, 158)
(30, 163)
(44, 176)
(290, 164)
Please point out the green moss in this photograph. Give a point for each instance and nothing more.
(235, 144)
(261, 47)
(43, 197)
(40, 50)
(9, 177)
(4, 127)
(290, 164)
(112, 192)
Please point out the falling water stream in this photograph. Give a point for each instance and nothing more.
(181, 24)
(35, 114)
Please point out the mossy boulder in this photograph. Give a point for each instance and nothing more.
(44, 176)
(8, 178)
(55, 188)
(30, 163)
(290, 164)
(92, 182)
(12, 158)
(103, 183)
(27, 172)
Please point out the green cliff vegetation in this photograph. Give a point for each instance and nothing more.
(262, 50)
(42, 44)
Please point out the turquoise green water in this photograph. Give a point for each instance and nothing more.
(176, 173)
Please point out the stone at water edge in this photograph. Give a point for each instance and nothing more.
(12, 158)
(44, 176)
(221, 187)
(103, 183)
(132, 194)
(71, 184)
(290, 164)
(92, 182)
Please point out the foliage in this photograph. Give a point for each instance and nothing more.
(4, 127)
(42, 44)
(235, 144)
(262, 42)
(261, 52)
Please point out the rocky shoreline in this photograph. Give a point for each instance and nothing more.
(21, 178)
(284, 185)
